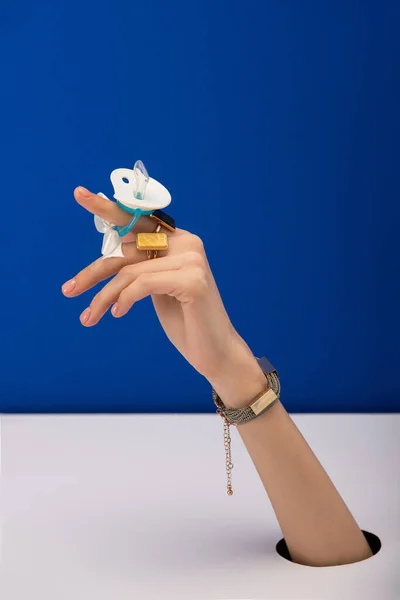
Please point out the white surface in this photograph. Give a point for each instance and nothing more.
(134, 507)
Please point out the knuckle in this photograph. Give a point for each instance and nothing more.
(126, 271)
(98, 300)
(195, 258)
(124, 296)
(103, 271)
(196, 242)
(198, 282)
(142, 281)
(93, 270)
(143, 278)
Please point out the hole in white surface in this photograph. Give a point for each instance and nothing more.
(125, 180)
(373, 541)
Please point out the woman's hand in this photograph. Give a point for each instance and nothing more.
(183, 291)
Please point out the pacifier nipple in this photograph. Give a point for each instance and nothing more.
(141, 177)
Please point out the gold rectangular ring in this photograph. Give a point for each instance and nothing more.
(151, 241)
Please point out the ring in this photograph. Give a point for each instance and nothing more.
(149, 255)
(156, 241)
(152, 242)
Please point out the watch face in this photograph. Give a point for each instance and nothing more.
(164, 219)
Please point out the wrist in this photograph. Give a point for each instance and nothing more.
(241, 378)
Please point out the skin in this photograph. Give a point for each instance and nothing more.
(317, 525)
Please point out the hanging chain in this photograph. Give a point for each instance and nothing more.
(228, 457)
(239, 416)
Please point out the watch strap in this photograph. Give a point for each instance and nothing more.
(259, 405)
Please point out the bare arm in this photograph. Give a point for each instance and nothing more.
(318, 528)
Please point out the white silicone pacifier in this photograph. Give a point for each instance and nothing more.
(133, 188)
(137, 194)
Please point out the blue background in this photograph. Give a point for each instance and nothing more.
(283, 114)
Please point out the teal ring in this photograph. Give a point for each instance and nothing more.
(136, 212)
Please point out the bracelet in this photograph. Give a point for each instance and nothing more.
(238, 416)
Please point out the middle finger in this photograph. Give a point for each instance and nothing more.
(101, 269)
(111, 291)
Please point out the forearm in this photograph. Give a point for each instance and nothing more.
(316, 523)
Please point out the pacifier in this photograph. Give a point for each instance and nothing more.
(137, 194)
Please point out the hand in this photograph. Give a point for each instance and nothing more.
(182, 288)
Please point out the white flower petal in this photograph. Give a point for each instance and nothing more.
(111, 241)
(117, 253)
(101, 224)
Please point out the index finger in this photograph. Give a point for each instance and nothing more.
(106, 209)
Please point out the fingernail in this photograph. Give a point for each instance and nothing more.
(69, 286)
(114, 310)
(85, 316)
(84, 192)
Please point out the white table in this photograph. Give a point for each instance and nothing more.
(134, 507)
